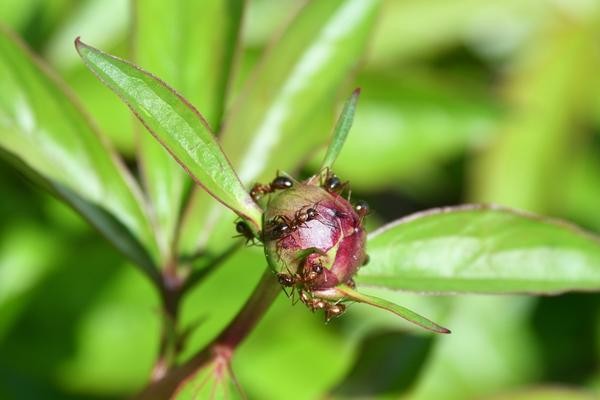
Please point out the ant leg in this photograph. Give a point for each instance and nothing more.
(285, 291)
(294, 298)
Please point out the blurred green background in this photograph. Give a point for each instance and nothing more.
(463, 101)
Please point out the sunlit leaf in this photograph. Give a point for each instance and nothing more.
(47, 136)
(177, 126)
(191, 48)
(482, 249)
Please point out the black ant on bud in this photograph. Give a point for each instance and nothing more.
(332, 183)
(244, 230)
(300, 280)
(307, 275)
(279, 183)
(291, 280)
(282, 226)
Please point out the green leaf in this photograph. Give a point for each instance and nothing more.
(299, 76)
(46, 135)
(192, 49)
(277, 119)
(482, 249)
(177, 126)
(342, 128)
(402, 312)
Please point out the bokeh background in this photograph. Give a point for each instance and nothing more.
(463, 101)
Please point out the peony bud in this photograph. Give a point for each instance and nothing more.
(314, 240)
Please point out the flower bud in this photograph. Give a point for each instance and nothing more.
(313, 237)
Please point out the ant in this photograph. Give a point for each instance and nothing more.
(282, 226)
(362, 209)
(279, 183)
(332, 310)
(299, 280)
(307, 275)
(332, 183)
(244, 230)
(296, 279)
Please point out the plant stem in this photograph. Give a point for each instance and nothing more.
(238, 329)
(170, 291)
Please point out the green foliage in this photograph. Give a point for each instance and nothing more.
(482, 249)
(193, 51)
(340, 133)
(176, 125)
(462, 102)
(47, 135)
(283, 111)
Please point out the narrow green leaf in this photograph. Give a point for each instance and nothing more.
(177, 126)
(46, 135)
(402, 312)
(192, 48)
(482, 249)
(342, 128)
(282, 112)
